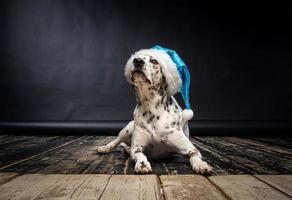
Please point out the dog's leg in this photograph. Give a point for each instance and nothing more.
(185, 147)
(139, 141)
(127, 148)
(124, 136)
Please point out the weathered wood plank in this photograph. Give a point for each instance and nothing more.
(14, 165)
(246, 187)
(18, 185)
(283, 142)
(54, 186)
(189, 187)
(74, 159)
(92, 188)
(76, 187)
(217, 158)
(178, 164)
(256, 162)
(2, 138)
(132, 187)
(268, 162)
(281, 182)
(37, 187)
(113, 163)
(5, 177)
(264, 147)
(227, 155)
(13, 139)
(49, 162)
(15, 148)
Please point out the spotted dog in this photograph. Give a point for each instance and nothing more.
(160, 126)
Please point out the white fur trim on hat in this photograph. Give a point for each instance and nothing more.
(167, 65)
(187, 114)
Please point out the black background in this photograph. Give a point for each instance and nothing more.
(64, 60)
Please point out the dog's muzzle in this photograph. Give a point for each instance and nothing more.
(138, 63)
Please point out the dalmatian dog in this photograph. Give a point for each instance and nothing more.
(160, 126)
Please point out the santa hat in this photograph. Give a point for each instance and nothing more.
(185, 79)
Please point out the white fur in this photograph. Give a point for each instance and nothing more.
(160, 125)
(168, 68)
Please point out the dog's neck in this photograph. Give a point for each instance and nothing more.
(151, 97)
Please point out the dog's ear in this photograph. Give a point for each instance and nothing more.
(171, 74)
(128, 69)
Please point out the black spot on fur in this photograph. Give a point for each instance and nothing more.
(165, 87)
(161, 91)
(143, 127)
(163, 79)
(143, 164)
(162, 99)
(144, 113)
(173, 123)
(157, 117)
(151, 88)
(151, 118)
(137, 151)
(157, 104)
(170, 101)
(127, 131)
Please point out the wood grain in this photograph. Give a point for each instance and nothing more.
(15, 148)
(281, 182)
(227, 155)
(246, 187)
(254, 160)
(5, 177)
(83, 187)
(19, 185)
(186, 187)
(132, 187)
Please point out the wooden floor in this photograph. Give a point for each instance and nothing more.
(67, 167)
(127, 187)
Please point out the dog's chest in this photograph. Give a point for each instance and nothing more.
(158, 122)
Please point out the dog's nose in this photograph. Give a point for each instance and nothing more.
(138, 62)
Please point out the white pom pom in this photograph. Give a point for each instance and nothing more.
(187, 114)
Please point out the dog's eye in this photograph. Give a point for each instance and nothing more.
(154, 61)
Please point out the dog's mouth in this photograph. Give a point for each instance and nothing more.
(137, 74)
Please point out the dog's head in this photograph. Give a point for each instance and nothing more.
(153, 67)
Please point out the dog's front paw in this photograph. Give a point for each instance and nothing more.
(201, 167)
(103, 149)
(142, 167)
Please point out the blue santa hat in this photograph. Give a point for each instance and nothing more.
(183, 73)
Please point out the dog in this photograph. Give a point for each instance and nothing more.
(160, 126)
